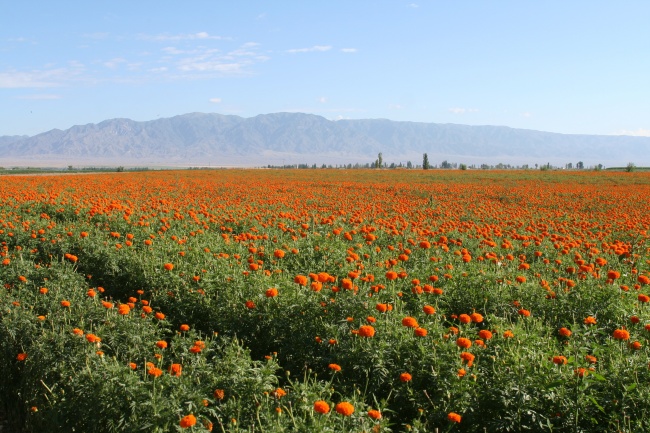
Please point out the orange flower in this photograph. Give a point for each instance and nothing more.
(636, 345)
(168, 266)
(334, 367)
(161, 344)
(300, 280)
(464, 343)
(589, 320)
(454, 417)
(405, 377)
(155, 372)
(175, 369)
(185, 327)
(65, 304)
(409, 322)
(278, 254)
(420, 332)
(485, 334)
(559, 360)
(374, 414)
(428, 309)
(524, 313)
(21, 356)
(382, 308)
(344, 408)
(250, 305)
(92, 338)
(621, 334)
(476, 317)
(279, 393)
(468, 358)
(188, 421)
(271, 293)
(366, 331)
(464, 318)
(643, 298)
(564, 332)
(123, 309)
(219, 394)
(107, 305)
(321, 407)
(391, 275)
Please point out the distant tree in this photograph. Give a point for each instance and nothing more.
(445, 164)
(380, 160)
(392, 165)
(425, 162)
(463, 166)
(120, 169)
(409, 164)
(70, 168)
(580, 165)
(630, 167)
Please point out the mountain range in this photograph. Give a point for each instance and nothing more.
(200, 139)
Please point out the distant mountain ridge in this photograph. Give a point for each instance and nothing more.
(216, 139)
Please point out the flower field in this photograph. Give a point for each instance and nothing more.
(326, 301)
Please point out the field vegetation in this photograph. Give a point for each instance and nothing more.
(326, 301)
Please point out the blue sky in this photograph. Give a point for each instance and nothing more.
(561, 66)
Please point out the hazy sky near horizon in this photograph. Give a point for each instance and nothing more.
(562, 66)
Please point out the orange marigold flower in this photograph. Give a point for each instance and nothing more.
(43, 290)
(334, 367)
(271, 293)
(420, 332)
(300, 280)
(279, 393)
(410, 322)
(391, 275)
(523, 312)
(175, 369)
(636, 345)
(464, 318)
(476, 317)
(564, 332)
(613, 275)
(382, 308)
(65, 304)
(581, 372)
(155, 372)
(92, 338)
(219, 394)
(21, 356)
(250, 305)
(161, 344)
(123, 309)
(621, 334)
(591, 359)
(405, 377)
(465, 343)
(485, 334)
(428, 309)
(366, 331)
(321, 407)
(454, 417)
(374, 414)
(559, 360)
(168, 266)
(278, 254)
(468, 358)
(643, 298)
(188, 421)
(589, 320)
(185, 327)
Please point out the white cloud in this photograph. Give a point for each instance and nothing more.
(183, 37)
(36, 79)
(349, 50)
(526, 114)
(40, 97)
(173, 50)
(458, 110)
(205, 60)
(114, 63)
(322, 99)
(397, 107)
(636, 133)
(311, 49)
(215, 100)
(414, 5)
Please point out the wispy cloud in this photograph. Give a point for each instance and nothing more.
(526, 114)
(215, 100)
(636, 133)
(212, 60)
(43, 97)
(182, 37)
(414, 5)
(322, 99)
(315, 48)
(349, 50)
(37, 79)
(114, 63)
(458, 110)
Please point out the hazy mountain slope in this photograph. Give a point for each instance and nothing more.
(214, 138)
